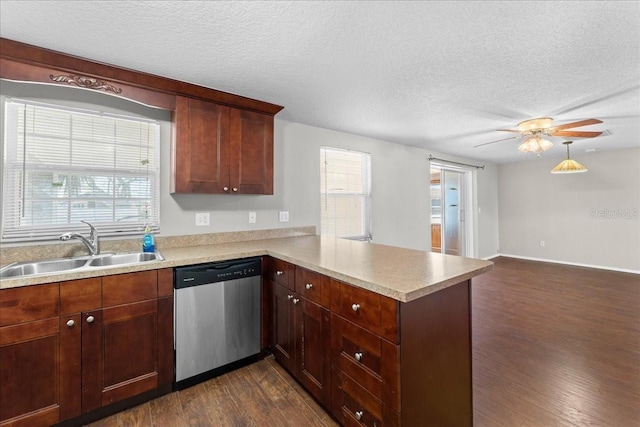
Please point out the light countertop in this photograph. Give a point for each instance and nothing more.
(402, 274)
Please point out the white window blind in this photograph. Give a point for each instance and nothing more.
(63, 165)
(345, 193)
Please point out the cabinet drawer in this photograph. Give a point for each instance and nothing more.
(80, 295)
(131, 287)
(28, 303)
(281, 272)
(353, 405)
(370, 360)
(372, 311)
(313, 286)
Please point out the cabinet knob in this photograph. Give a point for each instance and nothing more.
(225, 188)
(358, 356)
(279, 273)
(296, 300)
(355, 307)
(90, 319)
(309, 285)
(289, 296)
(235, 190)
(359, 415)
(70, 323)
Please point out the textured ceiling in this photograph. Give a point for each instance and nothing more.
(440, 75)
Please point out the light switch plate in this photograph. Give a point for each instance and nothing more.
(202, 218)
(283, 216)
(252, 217)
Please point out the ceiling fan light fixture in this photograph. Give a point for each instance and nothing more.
(535, 144)
(569, 165)
(535, 124)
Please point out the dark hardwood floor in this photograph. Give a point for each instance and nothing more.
(553, 345)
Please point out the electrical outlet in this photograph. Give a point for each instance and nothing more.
(202, 218)
(252, 217)
(542, 243)
(283, 216)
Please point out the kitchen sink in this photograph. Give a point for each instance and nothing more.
(30, 268)
(41, 267)
(120, 259)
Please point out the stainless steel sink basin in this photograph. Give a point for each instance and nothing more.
(41, 267)
(120, 259)
(21, 269)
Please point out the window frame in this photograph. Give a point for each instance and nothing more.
(366, 211)
(16, 233)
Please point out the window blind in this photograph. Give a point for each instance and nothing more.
(345, 193)
(63, 165)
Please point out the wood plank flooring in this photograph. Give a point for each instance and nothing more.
(553, 345)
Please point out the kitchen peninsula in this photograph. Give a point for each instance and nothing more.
(391, 327)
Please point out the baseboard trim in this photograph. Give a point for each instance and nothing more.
(577, 264)
(487, 258)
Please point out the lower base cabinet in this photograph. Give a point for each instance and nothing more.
(70, 348)
(390, 363)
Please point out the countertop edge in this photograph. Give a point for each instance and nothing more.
(175, 257)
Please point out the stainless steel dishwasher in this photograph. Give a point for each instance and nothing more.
(216, 318)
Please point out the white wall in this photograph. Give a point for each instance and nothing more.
(400, 181)
(590, 218)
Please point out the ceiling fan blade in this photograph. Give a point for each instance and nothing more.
(576, 133)
(508, 130)
(575, 124)
(493, 142)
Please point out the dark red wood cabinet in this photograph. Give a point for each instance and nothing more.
(220, 149)
(384, 363)
(73, 347)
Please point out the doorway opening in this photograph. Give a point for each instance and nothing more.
(451, 201)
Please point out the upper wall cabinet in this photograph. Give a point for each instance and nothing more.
(223, 143)
(220, 149)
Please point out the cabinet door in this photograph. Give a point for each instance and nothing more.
(119, 353)
(283, 330)
(201, 147)
(251, 152)
(39, 359)
(313, 343)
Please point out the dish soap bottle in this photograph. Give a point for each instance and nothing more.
(148, 242)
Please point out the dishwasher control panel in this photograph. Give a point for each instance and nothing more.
(216, 272)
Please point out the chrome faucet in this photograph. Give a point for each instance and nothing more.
(91, 243)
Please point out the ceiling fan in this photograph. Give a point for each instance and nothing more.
(534, 129)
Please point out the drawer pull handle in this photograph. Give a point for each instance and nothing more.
(289, 297)
(234, 189)
(226, 188)
(70, 323)
(355, 307)
(358, 356)
(279, 273)
(309, 285)
(359, 415)
(90, 319)
(296, 300)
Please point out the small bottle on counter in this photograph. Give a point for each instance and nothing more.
(148, 242)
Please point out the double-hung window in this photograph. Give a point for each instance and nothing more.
(62, 165)
(345, 194)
